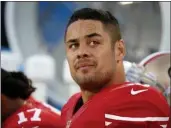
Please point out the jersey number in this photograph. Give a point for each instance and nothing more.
(35, 117)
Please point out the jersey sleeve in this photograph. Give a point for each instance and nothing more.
(148, 109)
(34, 118)
(46, 119)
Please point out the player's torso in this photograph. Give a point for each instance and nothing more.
(95, 113)
(85, 117)
(32, 115)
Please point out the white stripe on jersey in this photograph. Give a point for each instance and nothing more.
(107, 123)
(163, 126)
(138, 119)
(52, 108)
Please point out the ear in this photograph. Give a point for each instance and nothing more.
(120, 50)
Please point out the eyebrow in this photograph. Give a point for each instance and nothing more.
(92, 35)
(72, 41)
(87, 36)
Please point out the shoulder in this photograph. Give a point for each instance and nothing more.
(46, 111)
(139, 97)
(31, 116)
(72, 100)
(138, 91)
(137, 103)
(74, 97)
(68, 107)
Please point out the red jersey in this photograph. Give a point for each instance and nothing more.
(128, 105)
(168, 124)
(33, 114)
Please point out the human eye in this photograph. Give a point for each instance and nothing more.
(94, 43)
(73, 46)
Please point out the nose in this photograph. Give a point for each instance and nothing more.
(82, 55)
(83, 52)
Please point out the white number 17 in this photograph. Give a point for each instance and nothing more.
(35, 117)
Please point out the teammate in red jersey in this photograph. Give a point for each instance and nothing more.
(95, 52)
(18, 111)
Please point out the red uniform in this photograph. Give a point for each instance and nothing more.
(33, 115)
(125, 106)
(168, 124)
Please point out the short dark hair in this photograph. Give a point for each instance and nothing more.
(16, 85)
(108, 20)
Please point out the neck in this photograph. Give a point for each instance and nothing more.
(86, 95)
(13, 106)
(119, 78)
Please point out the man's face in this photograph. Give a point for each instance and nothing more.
(90, 53)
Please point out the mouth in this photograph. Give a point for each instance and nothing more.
(84, 66)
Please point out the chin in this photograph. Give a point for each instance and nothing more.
(85, 70)
(85, 78)
(86, 75)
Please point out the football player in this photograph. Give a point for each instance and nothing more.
(95, 52)
(19, 110)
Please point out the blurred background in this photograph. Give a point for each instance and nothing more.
(32, 39)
